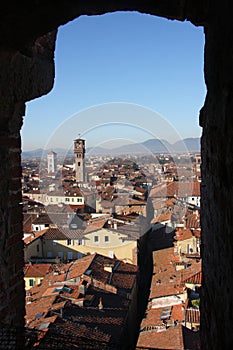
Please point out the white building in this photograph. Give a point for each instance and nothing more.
(52, 162)
(57, 197)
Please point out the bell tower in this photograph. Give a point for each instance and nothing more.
(79, 153)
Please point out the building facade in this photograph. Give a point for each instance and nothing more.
(52, 162)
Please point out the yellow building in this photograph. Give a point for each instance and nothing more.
(103, 241)
(66, 244)
(34, 274)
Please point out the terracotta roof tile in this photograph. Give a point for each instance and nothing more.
(193, 272)
(42, 219)
(68, 335)
(79, 267)
(162, 217)
(169, 339)
(37, 270)
(192, 220)
(37, 309)
(34, 236)
(124, 276)
(153, 316)
(194, 279)
(183, 234)
(192, 316)
(162, 259)
(94, 226)
(179, 189)
(84, 325)
(166, 289)
(54, 233)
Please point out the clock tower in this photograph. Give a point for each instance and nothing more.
(79, 153)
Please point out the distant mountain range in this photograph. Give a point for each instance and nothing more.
(191, 145)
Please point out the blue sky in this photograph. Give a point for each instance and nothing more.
(125, 58)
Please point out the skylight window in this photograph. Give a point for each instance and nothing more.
(44, 325)
(166, 313)
(63, 289)
(67, 290)
(39, 315)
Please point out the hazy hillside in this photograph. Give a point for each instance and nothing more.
(191, 145)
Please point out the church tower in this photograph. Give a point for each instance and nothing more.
(79, 153)
(52, 162)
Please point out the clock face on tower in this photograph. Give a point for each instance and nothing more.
(79, 146)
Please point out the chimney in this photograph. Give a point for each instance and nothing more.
(100, 305)
(82, 289)
(108, 268)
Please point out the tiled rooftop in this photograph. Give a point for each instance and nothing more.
(42, 219)
(94, 226)
(169, 339)
(34, 236)
(60, 233)
(183, 234)
(192, 316)
(179, 189)
(194, 279)
(78, 267)
(50, 307)
(37, 270)
(68, 335)
(153, 316)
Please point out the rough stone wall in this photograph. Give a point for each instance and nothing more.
(21, 24)
(216, 118)
(11, 277)
(23, 76)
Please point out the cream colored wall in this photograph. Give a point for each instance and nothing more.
(38, 197)
(182, 245)
(115, 239)
(122, 250)
(53, 199)
(37, 280)
(115, 247)
(191, 285)
(57, 246)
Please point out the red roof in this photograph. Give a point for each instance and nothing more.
(192, 316)
(34, 236)
(37, 270)
(194, 279)
(169, 339)
(179, 189)
(183, 234)
(153, 316)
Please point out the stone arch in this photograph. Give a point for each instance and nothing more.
(27, 45)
